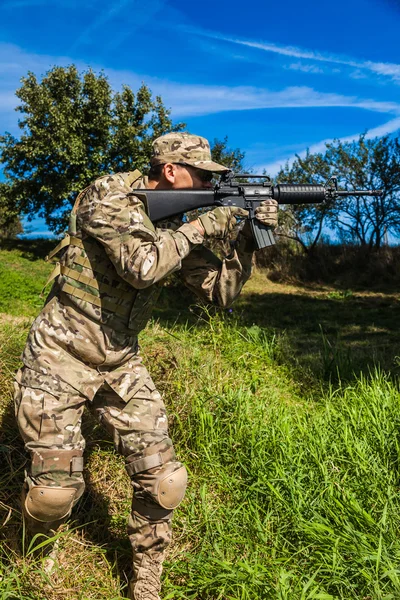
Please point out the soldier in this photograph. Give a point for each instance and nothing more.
(83, 347)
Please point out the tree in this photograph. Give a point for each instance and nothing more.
(137, 121)
(367, 164)
(363, 164)
(222, 154)
(74, 129)
(10, 224)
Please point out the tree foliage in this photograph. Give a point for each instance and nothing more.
(74, 128)
(10, 224)
(230, 157)
(367, 164)
(364, 164)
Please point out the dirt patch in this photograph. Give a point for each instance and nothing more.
(13, 320)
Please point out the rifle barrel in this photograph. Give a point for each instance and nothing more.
(358, 193)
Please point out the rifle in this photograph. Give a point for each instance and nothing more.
(229, 191)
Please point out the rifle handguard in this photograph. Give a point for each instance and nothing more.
(299, 194)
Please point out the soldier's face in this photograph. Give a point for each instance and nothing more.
(200, 175)
(188, 177)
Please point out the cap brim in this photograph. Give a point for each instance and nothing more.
(209, 165)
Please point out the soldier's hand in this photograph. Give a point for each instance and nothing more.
(218, 223)
(267, 213)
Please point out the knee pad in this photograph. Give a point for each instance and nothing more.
(53, 485)
(169, 485)
(47, 503)
(159, 483)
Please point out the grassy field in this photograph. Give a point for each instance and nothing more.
(286, 413)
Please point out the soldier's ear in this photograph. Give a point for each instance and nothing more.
(169, 172)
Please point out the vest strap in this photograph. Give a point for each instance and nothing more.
(85, 262)
(55, 273)
(133, 176)
(66, 241)
(89, 281)
(93, 283)
(104, 303)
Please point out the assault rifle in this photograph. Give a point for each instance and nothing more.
(230, 191)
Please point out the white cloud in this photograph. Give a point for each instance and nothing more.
(306, 68)
(15, 62)
(131, 17)
(358, 74)
(195, 100)
(391, 70)
(385, 129)
(7, 101)
(185, 99)
(100, 20)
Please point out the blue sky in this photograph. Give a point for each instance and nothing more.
(275, 77)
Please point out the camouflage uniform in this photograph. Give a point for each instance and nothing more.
(83, 347)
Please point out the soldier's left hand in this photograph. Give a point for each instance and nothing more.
(267, 213)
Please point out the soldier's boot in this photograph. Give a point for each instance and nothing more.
(146, 583)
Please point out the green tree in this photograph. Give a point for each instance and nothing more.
(367, 164)
(230, 157)
(363, 164)
(10, 224)
(74, 128)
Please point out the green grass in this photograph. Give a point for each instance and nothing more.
(293, 456)
(291, 497)
(22, 278)
(329, 333)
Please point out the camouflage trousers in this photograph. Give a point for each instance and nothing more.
(49, 418)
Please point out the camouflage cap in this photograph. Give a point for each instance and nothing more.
(185, 148)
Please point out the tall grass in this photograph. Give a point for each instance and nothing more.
(290, 497)
(293, 489)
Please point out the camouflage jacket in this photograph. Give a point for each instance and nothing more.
(108, 280)
(114, 266)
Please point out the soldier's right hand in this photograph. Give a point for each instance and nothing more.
(218, 223)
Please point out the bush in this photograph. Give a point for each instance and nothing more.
(335, 264)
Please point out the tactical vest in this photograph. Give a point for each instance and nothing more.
(87, 277)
